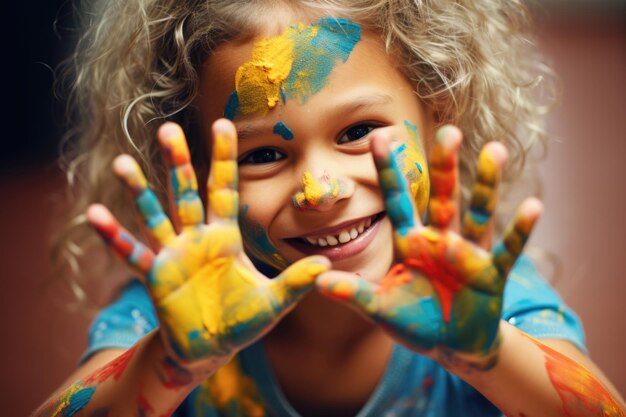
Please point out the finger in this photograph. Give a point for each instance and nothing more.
(444, 178)
(298, 279)
(351, 289)
(183, 178)
(506, 251)
(136, 254)
(223, 180)
(398, 201)
(155, 220)
(477, 223)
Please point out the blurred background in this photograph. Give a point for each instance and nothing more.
(583, 176)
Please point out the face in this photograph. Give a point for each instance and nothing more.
(305, 102)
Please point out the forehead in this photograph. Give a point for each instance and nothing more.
(249, 78)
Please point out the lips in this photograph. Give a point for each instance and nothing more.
(340, 242)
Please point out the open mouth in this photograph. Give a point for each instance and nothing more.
(348, 241)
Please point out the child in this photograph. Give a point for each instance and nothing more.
(321, 181)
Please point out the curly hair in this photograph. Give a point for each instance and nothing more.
(138, 63)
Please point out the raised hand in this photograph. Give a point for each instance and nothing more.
(443, 297)
(210, 300)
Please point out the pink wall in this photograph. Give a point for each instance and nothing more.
(584, 225)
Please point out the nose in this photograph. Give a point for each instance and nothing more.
(322, 192)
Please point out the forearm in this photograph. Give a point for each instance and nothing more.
(531, 379)
(143, 381)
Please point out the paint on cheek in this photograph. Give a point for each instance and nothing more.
(411, 160)
(257, 242)
(283, 131)
(580, 391)
(321, 193)
(293, 65)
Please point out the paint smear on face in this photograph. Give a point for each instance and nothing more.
(293, 65)
(580, 391)
(411, 160)
(257, 242)
(320, 194)
(283, 131)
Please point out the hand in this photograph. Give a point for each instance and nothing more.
(210, 300)
(444, 296)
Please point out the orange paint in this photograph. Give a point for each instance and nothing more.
(580, 391)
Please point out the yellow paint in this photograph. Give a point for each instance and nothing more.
(316, 192)
(420, 187)
(64, 402)
(230, 385)
(258, 81)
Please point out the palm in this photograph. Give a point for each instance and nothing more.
(209, 298)
(444, 294)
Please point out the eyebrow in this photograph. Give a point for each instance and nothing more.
(350, 105)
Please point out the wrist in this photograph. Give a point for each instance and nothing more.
(464, 363)
(175, 371)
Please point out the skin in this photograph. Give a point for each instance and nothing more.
(435, 288)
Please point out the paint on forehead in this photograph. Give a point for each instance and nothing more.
(411, 160)
(293, 65)
(257, 242)
(283, 131)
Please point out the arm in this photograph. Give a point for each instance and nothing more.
(444, 298)
(209, 299)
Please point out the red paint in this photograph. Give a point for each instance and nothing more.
(143, 406)
(445, 281)
(115, 368)
(581, 393)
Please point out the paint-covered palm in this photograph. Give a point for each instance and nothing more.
(444, 294)
(209, 298)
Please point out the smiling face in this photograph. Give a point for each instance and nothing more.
(304, 103)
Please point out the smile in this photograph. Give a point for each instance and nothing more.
(340, 243)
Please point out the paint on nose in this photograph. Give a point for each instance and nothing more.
(323, 193)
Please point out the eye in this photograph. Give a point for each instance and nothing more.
(356, 132)
(261, 156)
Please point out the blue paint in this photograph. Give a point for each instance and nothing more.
(257, 243)
(281, 129)
(149, 206)
(314, 59)
(230, 111)
(419, 167)
(398, 201)
(78, 401)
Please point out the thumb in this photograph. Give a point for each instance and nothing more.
(351, 289)
(298, 279)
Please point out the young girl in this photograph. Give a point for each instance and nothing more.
(332, 272)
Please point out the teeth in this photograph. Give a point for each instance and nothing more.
(343, 237)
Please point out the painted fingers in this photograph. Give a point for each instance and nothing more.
(135, 253)
(477, 222)
(396, 194)
(506, 251)
(184, 184)
(223, 180)
(444, 177)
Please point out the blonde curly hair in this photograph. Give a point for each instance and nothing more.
(138, 63)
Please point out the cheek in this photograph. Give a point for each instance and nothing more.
(411, 160)
(256, 240)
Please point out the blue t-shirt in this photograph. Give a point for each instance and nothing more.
(412, 385)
